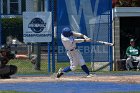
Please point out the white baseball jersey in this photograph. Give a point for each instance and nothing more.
(72, 52)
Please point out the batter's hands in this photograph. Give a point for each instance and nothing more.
(88, 40)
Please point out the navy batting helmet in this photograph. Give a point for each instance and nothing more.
(66, 31)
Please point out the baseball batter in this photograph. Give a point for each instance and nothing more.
(69, 41)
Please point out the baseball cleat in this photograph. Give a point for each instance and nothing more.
(90, 75)
(60, 73)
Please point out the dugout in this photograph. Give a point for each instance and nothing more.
(126, 25)
(129, 28)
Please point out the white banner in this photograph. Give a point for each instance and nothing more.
(37, 27)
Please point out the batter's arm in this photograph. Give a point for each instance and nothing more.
(79, 35)
(82, 40)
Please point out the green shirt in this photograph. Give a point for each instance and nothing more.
(133, 51)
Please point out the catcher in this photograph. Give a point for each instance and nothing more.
(69, 41)
(6, 70)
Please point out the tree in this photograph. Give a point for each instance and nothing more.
(127, 3)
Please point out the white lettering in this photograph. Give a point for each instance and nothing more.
(37, 25)
(87, 49)
(61, 49)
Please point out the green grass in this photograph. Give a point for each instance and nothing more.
(27, 68)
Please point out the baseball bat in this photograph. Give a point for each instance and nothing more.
(105, 43)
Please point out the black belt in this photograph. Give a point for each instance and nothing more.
(72, 49)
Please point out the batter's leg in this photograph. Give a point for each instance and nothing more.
(85, 69)
(67, 69)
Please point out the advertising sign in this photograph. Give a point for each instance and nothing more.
(37, 27)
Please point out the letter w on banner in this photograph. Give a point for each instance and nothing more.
(89, 17)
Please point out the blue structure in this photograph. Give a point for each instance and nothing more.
(50, 8)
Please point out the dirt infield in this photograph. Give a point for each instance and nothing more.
(115, 79)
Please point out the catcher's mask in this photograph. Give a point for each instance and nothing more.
(66, 31)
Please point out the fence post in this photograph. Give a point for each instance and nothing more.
(0, 26)
(38, 52)
(53, 45)
(110, 38)
(49, 65)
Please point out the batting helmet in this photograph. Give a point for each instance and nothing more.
(66, 31)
